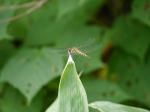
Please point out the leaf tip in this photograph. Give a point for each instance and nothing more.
(70, 60)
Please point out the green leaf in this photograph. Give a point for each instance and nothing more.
(5, 15)
(31, 69)
(59, 31)
(104, 90)
(78, 8)
(141, 11)
(105, 106)
(132, 36)
(66, 6)
(6, 51)
(131, 75)
(50, 31)
(88, 64)
(54, 33)
(13, 101)
(54, 107)
(3, 24)
(71, 95)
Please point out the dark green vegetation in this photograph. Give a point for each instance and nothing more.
(34, 36)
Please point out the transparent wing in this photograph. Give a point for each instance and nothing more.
(90, 46)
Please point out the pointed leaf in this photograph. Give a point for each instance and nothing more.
(71, 96)
(31, 69)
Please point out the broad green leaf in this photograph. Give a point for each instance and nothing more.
(56, 32)
(78, 8)
(31, 69)
(104, 90)
(131, 75)
(71, 95)
(13, 101)
(141, 11)
(132, 36)
(67, 6)
(50, 31)
(105, 106)
(79, 36)
(92, 62)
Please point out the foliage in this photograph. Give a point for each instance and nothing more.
(35, 36)
(72, 96)
(35, 65)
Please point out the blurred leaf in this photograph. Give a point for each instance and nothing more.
(65, 33)
(78, 9)
(42, 27)
(11, 2)
(64, 24)
(141, 10)
(73, 36)
(13, 101)
(104, 90)
(59, 31)
(6, 51)
(132, 37)
(31, 69)
(3, 25)
(71, 95)
(78, 36)
(93, 110)
(132, 75)
(66, 6)
(5, 14)
(105, 106)
(93, 61)
(18, 29)
(54, 107)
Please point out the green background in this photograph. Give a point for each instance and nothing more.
(33, 50)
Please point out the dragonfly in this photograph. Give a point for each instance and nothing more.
(75, 50)
(84, 49)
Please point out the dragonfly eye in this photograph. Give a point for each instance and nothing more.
(69, 51)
